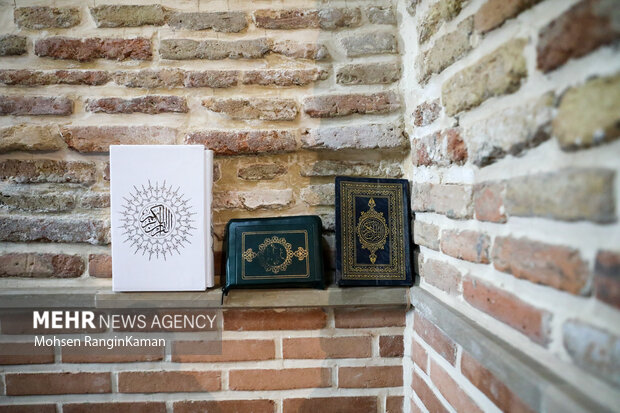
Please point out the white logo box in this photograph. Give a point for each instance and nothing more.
(161, 217)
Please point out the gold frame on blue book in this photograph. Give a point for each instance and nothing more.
(372, 232)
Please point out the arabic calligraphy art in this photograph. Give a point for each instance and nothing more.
(157, 220)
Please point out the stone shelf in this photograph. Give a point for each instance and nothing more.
(249, 298)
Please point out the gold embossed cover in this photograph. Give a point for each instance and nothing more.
(372, 232)
(274, 252)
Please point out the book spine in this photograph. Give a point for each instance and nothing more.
(210, 267)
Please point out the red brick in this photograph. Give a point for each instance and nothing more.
(436, 338)
(144, 104)
(331, 404)
(116, 407)
(488, 384)
(370, 377)
(365, 318)
(25, 77)
(507, 308)
(494, 13)
(25, 353)
(228, 406)
(99, 138)
(93, 48)
(426, 395)
(553, 265)
(245, 142)
(21, 384)
(328, 19)
(426, 113)
(169, 381)
(279, 379)
(419, 355)
(226, 350)
(607, 277)
(391, 346)
(77, 354)
(41, 265)
(442, 275)
(289, 319)
(35, 105)
(441, 148)
(489, 202)
(328, 106)
(48, 170)
(28, 408)
(394, 404)
(466, 245)
(326, 347)
(452, 391)
(581, 29)
(100, 265)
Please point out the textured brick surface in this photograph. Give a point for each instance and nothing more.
(328, 106)
(55, 229)
(607, 277)
(256, 108)
(454, 201)
(227, 22)
(466, 245)
(147, 104)
(13, 45)
(93, 48)
(100, 265)
(438, 13)
(99, 138)
(34, 265)
(128, 15)
(47, 170)
(261, 171)
(427, 112)
(25, 137)
(370, 136)
(442, 275)
(370, 44)
(245, 141)
(328, 19)
(494, 13)
(26, 77)
(440, 148)
(46, 17)
(368, 73)
(35, 105)
(184, 49)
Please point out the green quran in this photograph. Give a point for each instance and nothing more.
(372, 232)
(274, 252)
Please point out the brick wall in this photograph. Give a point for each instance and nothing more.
(272, 360)
(512, 112)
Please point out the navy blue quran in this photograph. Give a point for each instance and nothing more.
(274, 252)
(372, 232)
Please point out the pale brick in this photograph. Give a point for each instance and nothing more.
(93, 200)
(322, 194)
(253, 108)
(557, 266)
(99, 138)
(498, 73)
(41, 265)
(283, 77)
(312, 51)
(253, 200)
(509, 309)
(466, 245)
(236, 142)
(442, 275)
(46, 17)
(426, 234)
(55, 229)
(324, 106)
(607, 277)
(25, 137)
(387, 169)
(224, 21)
(261, 171)
(211, 78)
(128, 15)
(327, 19)
(13, 45)
(510, 131)
(146, 104)
(48, 170)
(370, 136)
(35, 105)
(588, 114)
(381, 15)
(151, 79)
(441, 148)
(569, 195)
(25, 77)
(454, 201)
(595, 350)
(93, 48)
(36, 198)
(369, 44)
(583, 28)
(184, 49)
(439, 12)
(494, 13)
(368, 73)
(427, 113)
(445, 51)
